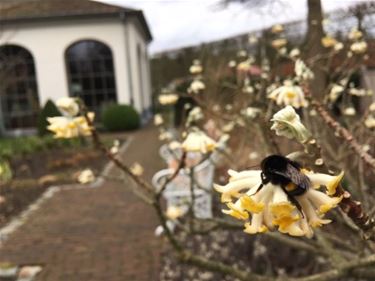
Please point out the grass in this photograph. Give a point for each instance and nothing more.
(10, 147)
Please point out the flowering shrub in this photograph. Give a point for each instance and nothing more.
(239, 117)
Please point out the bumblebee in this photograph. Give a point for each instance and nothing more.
(283, 172)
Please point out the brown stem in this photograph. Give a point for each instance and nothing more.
(99, 145)
(341, 131)
(353, 209)
(181, 165)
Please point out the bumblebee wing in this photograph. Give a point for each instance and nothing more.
(297, 177)
(294, 174)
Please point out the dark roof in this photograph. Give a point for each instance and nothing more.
(26, 10)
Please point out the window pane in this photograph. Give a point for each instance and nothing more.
(91, 75)
(19, 99)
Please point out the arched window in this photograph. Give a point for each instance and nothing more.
(91, 73)
(18, 88)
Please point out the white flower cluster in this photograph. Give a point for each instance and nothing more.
(70, 125)
(269, 208)
(289, 94)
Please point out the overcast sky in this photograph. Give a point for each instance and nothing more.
(180, 23)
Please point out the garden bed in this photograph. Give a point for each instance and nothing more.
(38, 163)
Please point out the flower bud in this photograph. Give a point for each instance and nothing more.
(287, 123)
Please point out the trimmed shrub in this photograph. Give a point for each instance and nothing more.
(120, 117)
(49, 110)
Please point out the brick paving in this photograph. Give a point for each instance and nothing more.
(91, 234)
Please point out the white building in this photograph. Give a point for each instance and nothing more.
(55, 48)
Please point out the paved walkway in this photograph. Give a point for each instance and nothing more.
(91, 234)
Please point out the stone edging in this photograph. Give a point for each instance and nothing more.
(19, 220)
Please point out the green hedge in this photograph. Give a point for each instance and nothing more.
(49, 110)
(120, 117)
(10, 147)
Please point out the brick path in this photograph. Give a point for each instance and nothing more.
(91, 234)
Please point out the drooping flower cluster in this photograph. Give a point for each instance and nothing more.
(359, 46)
(196, 68)
(329, 42)
(86, 176)
(194, 115)
(287, 123)
(303, 73)
(197, 85)
(289, 94)
(270, 209)
(168, 99)
(70, 125)
(198, 141)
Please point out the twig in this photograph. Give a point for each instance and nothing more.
(334, 274)
(99, 145)
(341, 131)
(181, 165)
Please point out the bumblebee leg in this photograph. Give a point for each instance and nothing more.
(296, 203)
(298, 191)
(293, 201)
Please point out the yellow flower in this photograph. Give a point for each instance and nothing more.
(86, 176)
(370, 122)
(256, 225)
(279, 43)
(198, 141)
(338, 47)
(289, 94)
(277, 28)
(349, 111)
(241, 53)
(355, 34)
(236, 211)
(251, 112)
(253, 39)
(174, 145)
(310, 210)
(269, 208)
(329, 182)
(158, 120)
(245, 65)
(238, 182)
(329, 41)
(280, 206)
(302, 71)
(168, 99)
(195, 115)
(165, 135)
(68, 106)
(295, 53)
(136, 169)
(68, 127)
(174, 212)
(115, 147)
(335, 92)
(196, 68)
(196, 86)
(232, 63)
(359, 48)
(250, 205)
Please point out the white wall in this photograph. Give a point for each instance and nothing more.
(141, 80)
(48, 43)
